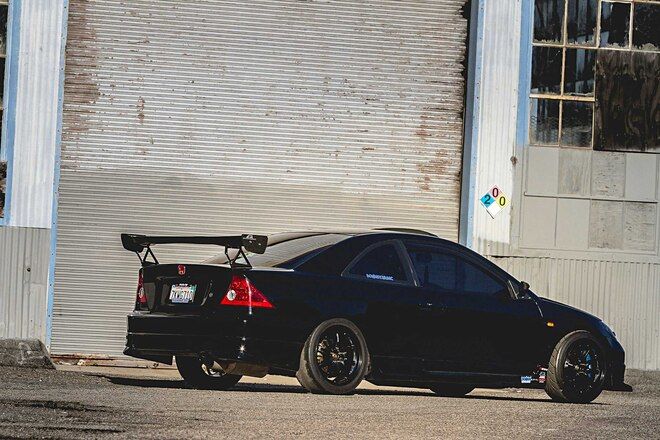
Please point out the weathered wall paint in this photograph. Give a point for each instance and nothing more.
(23, 279)
(36, 114)
(234, 116)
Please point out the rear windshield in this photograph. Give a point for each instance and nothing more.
(282, 252)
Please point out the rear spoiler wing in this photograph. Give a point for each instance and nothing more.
(247, 242)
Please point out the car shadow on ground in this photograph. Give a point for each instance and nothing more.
(275, 388)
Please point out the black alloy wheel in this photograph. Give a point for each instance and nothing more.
(337, 355)
(582, 367)
(577, 369)
(334, 359)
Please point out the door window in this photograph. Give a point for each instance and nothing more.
(381, 263)
(446, 271)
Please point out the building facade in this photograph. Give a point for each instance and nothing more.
(230, 116)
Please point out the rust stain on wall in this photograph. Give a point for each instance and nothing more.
(81, 88)
(444, 165)
(140, 109)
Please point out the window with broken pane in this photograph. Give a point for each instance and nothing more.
(646, 27)
(581, 22)
(548, 21)
(579, 71)
(595, 74)
(614, 24)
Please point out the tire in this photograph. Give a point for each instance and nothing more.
(321, 371)
(197, 375)
(577, 369)
(451, 390)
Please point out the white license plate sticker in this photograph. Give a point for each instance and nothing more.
(182, 293)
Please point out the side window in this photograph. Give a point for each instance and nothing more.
(381, 263)
(446, 271)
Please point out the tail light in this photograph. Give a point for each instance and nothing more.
(141, 297)
(242, 292)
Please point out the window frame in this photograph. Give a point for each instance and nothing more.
(404, 258)
(564, 98)
(479, 263)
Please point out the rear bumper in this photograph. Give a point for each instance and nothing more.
(159, 337)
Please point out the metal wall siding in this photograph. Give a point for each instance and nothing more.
(23, 279)
(497, 122)
(231, 116)
(624, 295)
(36, 114)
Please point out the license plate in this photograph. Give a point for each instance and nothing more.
(182, 293)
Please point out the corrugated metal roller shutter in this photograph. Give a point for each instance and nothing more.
(261, 116)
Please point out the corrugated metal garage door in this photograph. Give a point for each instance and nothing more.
(231, 116)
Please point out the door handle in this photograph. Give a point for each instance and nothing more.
(430, 307)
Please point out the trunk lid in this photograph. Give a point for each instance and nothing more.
(184, 289)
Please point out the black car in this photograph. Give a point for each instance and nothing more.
(394, 307)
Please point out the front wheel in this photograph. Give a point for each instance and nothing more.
(334, 359)
(199, 375)
(577, 369)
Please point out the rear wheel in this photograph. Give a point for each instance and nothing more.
(451, 390)
(199, 375)
(577, 369)
(334, 359)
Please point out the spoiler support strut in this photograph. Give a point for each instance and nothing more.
(247, 242)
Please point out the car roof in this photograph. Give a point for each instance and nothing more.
(285, 236)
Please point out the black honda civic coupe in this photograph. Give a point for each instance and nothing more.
(394, 307)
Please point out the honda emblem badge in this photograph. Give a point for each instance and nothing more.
(182, 269)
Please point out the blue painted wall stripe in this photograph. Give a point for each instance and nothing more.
(525, 73)
(472, 110)
(56, 177)
(9, 100)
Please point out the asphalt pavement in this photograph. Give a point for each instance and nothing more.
(145, 404)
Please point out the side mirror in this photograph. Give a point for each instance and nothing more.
(523, 291)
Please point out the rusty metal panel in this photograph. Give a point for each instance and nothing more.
(24, 256)
(233, 116)
(36, 110)
(623, 294)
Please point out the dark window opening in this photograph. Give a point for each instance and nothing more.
(614, 24)
(646, 27)
(546, 70)
(579, 71)
(548, 19)
(581, 26)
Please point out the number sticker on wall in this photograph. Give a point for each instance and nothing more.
(494, 201)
